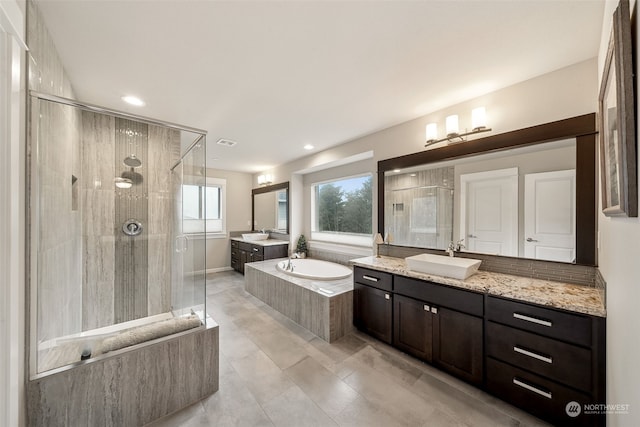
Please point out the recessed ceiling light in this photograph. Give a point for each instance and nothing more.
(133, 100)
(308, 147)
(396, 170)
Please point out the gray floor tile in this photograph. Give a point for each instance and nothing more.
(328, 391)
(275, 373)
(294, 408)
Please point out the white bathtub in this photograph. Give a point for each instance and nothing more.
(314, 269)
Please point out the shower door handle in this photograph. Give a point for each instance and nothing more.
(182, 242)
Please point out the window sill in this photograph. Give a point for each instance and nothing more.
(361, 251)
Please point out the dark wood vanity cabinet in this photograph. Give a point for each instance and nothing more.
(423, 319)
(440, 325)
(373, 303)
(542, 360)
(243, 252)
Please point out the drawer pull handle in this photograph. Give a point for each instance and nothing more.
(532, 319)
(387, 296)
(255, 249)
(426, 307)
(369, 278)
(532, 354)
(536, 390)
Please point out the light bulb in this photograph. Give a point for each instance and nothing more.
(452, 124)
(478, 118)
(432, 131)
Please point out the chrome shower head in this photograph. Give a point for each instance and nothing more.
(132, 161)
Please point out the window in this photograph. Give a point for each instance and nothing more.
(342, 211)
(203, 205)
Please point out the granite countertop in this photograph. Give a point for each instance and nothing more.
(576, 298)
(268, 242)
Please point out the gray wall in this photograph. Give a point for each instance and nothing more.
(59, 233)
(126, 277)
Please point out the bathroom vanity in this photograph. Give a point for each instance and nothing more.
(537, 344)
(243, 251)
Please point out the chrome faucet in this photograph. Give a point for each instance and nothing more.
(455, 247)
(451, 249)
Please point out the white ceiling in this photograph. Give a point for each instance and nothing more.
(276, 75)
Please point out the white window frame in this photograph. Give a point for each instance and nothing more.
(194, 227)
(341, 238)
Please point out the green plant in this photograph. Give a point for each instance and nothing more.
(302, 245)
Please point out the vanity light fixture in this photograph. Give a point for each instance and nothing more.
(265, 179)
(478, 121)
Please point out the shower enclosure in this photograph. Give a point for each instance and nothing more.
(419, 207)
(109, 254)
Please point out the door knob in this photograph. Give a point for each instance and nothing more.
(529, 239)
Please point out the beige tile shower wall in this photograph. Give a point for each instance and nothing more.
(59, 272)
(54, 137)
(98, 212)
(163, 152)
(46, 72)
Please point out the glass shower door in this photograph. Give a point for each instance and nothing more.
(189, 243)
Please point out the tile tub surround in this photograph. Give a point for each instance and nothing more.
(132, 387)
(330, 317)
(576, 298)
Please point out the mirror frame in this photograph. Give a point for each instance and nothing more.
(269, 189)
(582, 128)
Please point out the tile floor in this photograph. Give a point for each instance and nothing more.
(275, 373)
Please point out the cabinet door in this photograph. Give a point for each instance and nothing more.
(412, 327)
(457, 344)
(372, 311)
(244, 258)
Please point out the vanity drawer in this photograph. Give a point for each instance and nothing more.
(235, 244)
(457, 299)
(552, 323)
(566, 363)
(540, 396)
(375, 278)
(252, 249)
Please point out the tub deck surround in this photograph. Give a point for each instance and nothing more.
(565, 296)
(324, 307)
(132, 387)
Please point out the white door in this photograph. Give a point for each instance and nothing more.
(549, 215)
(489, 211)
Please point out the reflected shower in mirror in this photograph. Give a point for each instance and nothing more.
(518, 202)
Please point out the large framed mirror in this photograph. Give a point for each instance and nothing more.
(529, 193)
(270, 208)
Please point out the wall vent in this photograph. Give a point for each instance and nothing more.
(226, 142)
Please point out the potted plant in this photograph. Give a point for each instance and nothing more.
(301, 249)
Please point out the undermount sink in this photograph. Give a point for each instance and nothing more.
(255, 236)
(438, 265)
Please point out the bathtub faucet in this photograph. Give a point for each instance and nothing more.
(289, 266)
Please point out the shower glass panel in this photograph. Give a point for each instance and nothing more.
(421, 216)
(108, 255)
(418, 207)
(189, 180)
